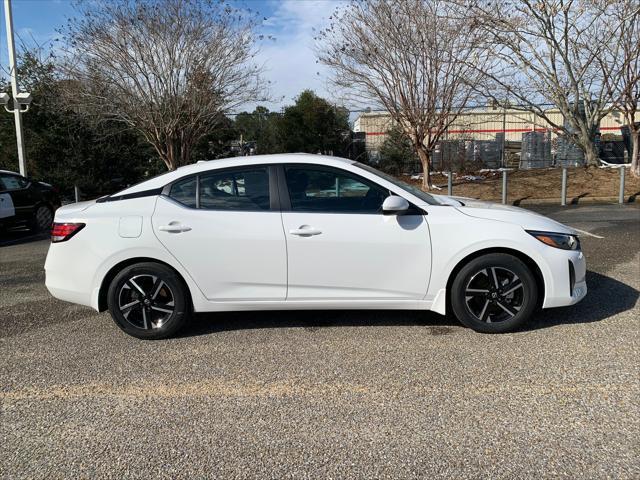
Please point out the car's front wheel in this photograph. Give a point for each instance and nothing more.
(494, 293)
(149, 301)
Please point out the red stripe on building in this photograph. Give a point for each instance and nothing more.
(499, 130)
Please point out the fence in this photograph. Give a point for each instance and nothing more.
(560, 185)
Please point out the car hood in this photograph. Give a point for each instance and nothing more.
(505, 213)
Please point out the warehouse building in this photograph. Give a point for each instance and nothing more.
(476, 135)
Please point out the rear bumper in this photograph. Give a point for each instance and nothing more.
(69, 274)
(73, 296)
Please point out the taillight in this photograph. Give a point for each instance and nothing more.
(61, 232)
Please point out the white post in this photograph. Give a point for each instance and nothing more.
(503, 156)
(14, 87)
(450, 183)
(563, 200)
(504, 186)
(621, 193)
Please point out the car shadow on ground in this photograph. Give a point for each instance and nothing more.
(311, 320)
(18, 237)
(606, 297)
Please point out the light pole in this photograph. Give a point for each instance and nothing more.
(20, 100)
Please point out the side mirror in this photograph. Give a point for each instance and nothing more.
(394, 205)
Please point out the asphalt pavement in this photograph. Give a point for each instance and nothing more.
(340, 394)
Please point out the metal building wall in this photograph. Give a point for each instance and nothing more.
(480, 124)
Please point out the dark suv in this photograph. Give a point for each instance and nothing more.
(26, 203)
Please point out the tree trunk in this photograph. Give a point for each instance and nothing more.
(425, 160)
(172, 149)
(590, 153)
(169, 157)
(635, 153)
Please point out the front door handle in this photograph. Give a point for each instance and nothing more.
(305, 231)
(174, 228)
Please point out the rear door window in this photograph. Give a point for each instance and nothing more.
(237, 190)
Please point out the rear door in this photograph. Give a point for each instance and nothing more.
(340, 245)
(224, 227)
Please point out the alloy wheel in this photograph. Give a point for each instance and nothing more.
(146, 301)
(44, 218)
(494, 294)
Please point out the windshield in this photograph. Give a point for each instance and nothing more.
(413, 190)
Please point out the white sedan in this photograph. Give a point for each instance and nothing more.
(300, 231)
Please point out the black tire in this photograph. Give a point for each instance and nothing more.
(42, 219)
(158, 290)
(494, 311)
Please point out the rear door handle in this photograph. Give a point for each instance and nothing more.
(174, 228)
(305, 231)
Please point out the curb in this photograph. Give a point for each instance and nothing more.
(629, 200)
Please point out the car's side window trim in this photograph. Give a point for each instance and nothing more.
(285, 200)
(197, 192)
(145, 193)
(274, 204)
(283, 190)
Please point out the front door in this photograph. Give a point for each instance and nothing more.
(6, 205)
(21, 201)
(340, 245)
(224, 228)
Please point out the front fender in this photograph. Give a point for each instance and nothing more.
(451, 246)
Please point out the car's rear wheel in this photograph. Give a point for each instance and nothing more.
(42, 219)
(149, 301)
(494, 293)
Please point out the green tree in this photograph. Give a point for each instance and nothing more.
(397, 153)
(260, 126)
(62, 148)
(217, 144)
(313, 125)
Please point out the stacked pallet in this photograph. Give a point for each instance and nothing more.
(455, 155)
(536, 150)
(487, 152)
(568, 154)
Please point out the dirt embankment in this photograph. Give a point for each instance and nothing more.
(583, 184)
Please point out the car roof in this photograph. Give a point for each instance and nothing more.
(203, 166)
(262, 159)
(10, 172)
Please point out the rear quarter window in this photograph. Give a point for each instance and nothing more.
(184, 192)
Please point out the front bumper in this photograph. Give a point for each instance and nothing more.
(568, 287)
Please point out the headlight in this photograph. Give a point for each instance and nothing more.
(558, 240)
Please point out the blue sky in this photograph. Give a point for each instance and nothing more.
(289, 61)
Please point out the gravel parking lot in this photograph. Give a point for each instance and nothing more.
(327, 394)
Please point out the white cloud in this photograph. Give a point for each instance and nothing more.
(290, 62)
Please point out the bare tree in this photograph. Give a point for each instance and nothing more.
(621, 67)
(546, 52)
(403, 55)
(169, 69)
